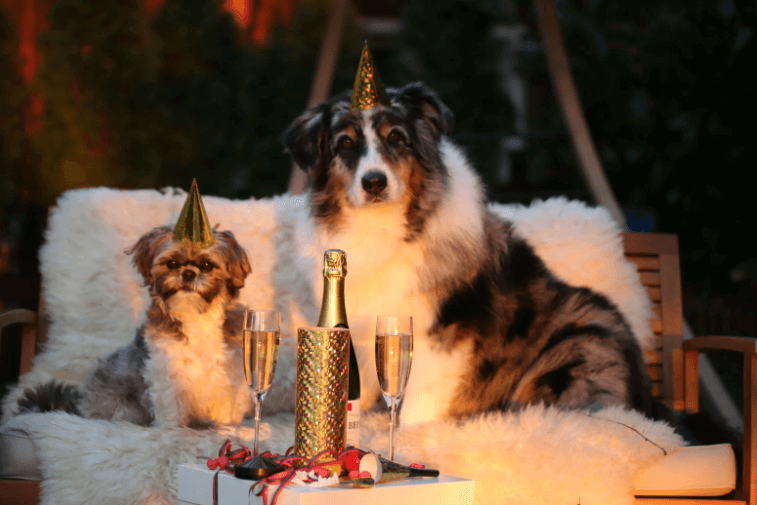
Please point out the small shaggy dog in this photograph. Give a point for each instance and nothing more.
(494, 328)
(184, 368)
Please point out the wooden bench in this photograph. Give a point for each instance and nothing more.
(672, 366)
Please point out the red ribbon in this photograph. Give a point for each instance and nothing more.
(227, 459)
(349, 458)
(281, 479)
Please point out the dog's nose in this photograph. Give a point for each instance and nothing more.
(374, 182)
(188, 275)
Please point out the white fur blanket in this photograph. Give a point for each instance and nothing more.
(95, 301)
(539, 455)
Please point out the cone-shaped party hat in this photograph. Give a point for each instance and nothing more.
(368, 90)
(193, 228)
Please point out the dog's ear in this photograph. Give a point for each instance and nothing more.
(236, 259)
(303, 137)
(146, 248)
(426, 105)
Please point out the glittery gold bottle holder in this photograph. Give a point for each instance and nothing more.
(320, 412)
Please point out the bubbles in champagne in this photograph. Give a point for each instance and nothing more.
(261, 352)
(394, 355)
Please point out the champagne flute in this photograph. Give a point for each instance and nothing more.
(262, 336)
(394, 355)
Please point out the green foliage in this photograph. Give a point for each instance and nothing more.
(132, 103)
(669, 102)
(447, 44)
(137, 104)
(11, 110)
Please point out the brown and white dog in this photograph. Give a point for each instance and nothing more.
(494, 328)
(184, 366)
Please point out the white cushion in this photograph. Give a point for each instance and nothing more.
(18, 452)
(703, 470)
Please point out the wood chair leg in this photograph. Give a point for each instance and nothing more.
(28, 344)
(19, 492)
(691, 381)
(750, 429)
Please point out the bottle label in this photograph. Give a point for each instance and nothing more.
(353, 423)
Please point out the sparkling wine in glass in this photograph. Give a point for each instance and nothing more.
(394, 355)
(262, 336)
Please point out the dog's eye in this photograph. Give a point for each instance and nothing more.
(171, 264)
(394, 138)
(207, 266)
(346, 142)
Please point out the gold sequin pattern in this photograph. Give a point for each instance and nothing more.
(368, 90)
(193, 228)
(320, 413)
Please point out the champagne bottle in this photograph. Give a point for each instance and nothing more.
(334, 315)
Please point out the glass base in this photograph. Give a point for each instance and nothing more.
(257, 468)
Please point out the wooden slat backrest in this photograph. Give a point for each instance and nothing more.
(657, 260)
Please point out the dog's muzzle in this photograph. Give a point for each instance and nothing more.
(374, 183)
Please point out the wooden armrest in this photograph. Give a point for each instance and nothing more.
(748, 347)
(744, 345)
(691, 349)
(17, 316)
(28, 334)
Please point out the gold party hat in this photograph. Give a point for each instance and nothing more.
(368, 90)
(193, 228)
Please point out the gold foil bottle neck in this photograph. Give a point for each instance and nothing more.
(368, 91)
(333, 312)
(193, 229)
(334, 263)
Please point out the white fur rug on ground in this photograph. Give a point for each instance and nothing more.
(536, 456)
(95, 301)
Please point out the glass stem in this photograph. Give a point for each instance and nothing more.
(392, 421)
(257, 423)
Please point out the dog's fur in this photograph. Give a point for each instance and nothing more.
(494, 329)
(184, 368)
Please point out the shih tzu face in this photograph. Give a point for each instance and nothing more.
(184, 278)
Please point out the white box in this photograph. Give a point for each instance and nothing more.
(196, 488)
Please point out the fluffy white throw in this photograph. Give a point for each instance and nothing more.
(95, 301)
(537, 456)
